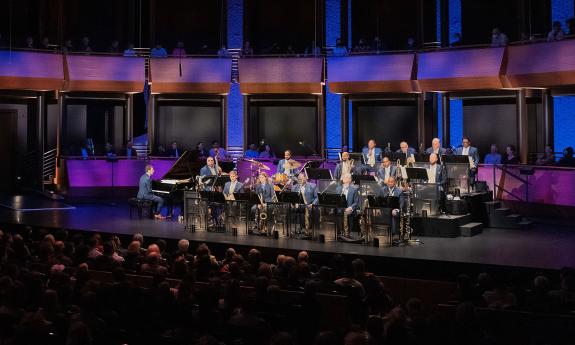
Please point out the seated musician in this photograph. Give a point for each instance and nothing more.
(470, 151)
(371, 156)
(265, 190)
(217, 151)
(233, 186)
(202, 152)
(404, 148)
(351, 194)
(435, 148)
(386, 170)
(215, 209)
(145, 192)
(346, 166)
(283, 163)
(391, 190)
(309, 196)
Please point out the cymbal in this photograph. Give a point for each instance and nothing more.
(292, 164)
(260, 165)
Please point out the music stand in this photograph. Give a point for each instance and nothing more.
(356, 156)
(327, 186)
(357, 179)
(227, 166)
(460, 159)
(418, 174)
(221, 181)
(291, 198)
(318, 174)
(395, 156)
(457, 173)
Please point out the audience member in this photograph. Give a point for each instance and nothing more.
(29, 43)
(247, 49)
(267, 153)
(493, 157)
(223, 51)
(567, 160)
(130, 51)
(85, 45)
(510, 156)
(556, 32)
(158, 51)
(339, 49)
(547, 158)
(114, 47)
(498, 38)
(457, 41)
(252, 152)
(179, 50)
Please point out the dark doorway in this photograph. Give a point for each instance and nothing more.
(7, 149)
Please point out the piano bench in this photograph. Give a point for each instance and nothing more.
(141, 205)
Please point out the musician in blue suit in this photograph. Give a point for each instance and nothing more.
(281, 169)
(264, 189)
(386, 170)
(346, 166)
(391, 190)
(233, 185)
(468, 150)
(371, 156)
(145, 192)
(351, 194)
(435, 170)
(435, 148)
(406, 150)
(308, 192)
(210, 169)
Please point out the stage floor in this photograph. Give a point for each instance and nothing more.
(540, 247)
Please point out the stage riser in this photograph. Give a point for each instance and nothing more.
(439, 226)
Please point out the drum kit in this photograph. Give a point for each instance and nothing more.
(279, 179)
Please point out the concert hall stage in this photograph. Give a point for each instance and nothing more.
(543, 247)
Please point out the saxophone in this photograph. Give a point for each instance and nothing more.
(262, 216)
(364, 221)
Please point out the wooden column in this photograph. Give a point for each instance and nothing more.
(345, 120)
(548, 120)
(420, 119)
(522, 126)
(152, 105)
(320, 114)
(129, 118)
(40, 138)
(446, 120)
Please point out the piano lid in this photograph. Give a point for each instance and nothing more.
(186, 166)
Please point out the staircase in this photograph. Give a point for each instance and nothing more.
(502, 217)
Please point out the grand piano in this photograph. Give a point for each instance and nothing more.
(178, 178)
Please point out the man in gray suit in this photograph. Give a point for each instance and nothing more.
(351, 194)
(308, 192)
(467, 150)
(145, 192)
(386, 170)
(435, 147)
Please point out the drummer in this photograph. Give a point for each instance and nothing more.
(287, 165)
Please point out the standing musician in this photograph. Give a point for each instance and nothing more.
(216, 151)
(435, 148)
(145, 192)
(264, 189)
(351, 194)
(409, 152)
(473, 154)
(346, 166)
(434, 171)
(232, 186)
(372, 156)
(283, 165)
(210, 169)
(386, 170)
(308, 192)
(391, 190)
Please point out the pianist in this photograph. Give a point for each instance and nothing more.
(145, 192)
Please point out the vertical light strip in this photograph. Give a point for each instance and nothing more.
(235, 16)
(332, 101)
